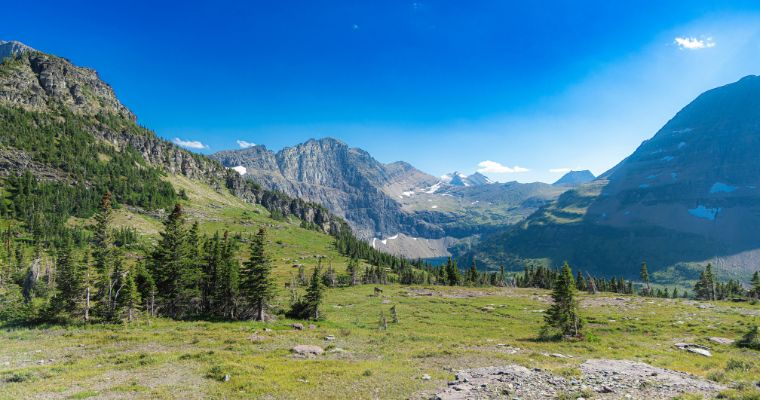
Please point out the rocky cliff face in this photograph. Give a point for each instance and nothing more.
(44, 83)
(348, 181)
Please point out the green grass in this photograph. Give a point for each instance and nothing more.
(437, 334)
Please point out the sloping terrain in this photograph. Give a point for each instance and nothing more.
(689, 194)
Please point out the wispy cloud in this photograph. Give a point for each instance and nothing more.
(559, 170)
(190, 144)
(692, 43)
(494, 167)
(244, 145)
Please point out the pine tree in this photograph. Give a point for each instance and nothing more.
(102, 255)
(170, 261)
(68, 282)
(353, 271)
(755, 290)
(256, 284)
(704, 289)
(129, 297)
(227, 285)
(563, 316)
(314, 295)
(452, 273)
(472, 276)
(675, 293)
(645, 278)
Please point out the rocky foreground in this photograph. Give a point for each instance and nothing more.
(602, 379)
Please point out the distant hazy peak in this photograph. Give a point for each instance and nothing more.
(457, 178)
(574, 178)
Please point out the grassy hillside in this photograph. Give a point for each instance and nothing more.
(441, 330)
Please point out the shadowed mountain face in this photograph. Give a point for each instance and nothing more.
(689, 194)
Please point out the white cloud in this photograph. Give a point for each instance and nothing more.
(190, 144)
(493, 167)
(559, 170)
(692, 43)
(240, 169)
(244, 145)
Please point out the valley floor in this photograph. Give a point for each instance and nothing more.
(440, 331)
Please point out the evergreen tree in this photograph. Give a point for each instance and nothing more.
(645, 279)
(170, 262)
(228, 281)
(314, 295)
(452, 273)
(129, 296)
(102, 255)
(68, 283)
(472, 275)
(563, 316)
(256, 284)
(755, 290)
(704, 289)
(751, 339)
(353, 271)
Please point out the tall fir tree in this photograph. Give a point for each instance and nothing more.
(170, 262)
(314, 293)
(704, 289)
(102, 256)
(563, 316)
(66, 301)
(645, 278)
(256, 284)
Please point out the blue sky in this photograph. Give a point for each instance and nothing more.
(533, 89)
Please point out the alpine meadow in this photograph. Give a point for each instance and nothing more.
(588, 226)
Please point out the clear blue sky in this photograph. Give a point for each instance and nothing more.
(444, 85)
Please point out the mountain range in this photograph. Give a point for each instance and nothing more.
(687, 196)
(395, 206)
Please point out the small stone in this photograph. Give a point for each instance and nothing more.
(721, 340)
(312, 326)
(329, 337)
(298, 327)
(227, 378)
(307, 350)
(426, 377)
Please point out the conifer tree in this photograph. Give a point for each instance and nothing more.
(472, 276)
(353, 271)
(645, 278)
(129, 296)
(102, 255)
(453, 276)
(314, 295)
(704, 289)
(68, 282)
(228, 281)
(755, 290)
(256, 284)
(170, 260)
(563, 315)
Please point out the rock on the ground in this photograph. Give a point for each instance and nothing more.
(694, 348)
(306, 350)
(721, 340)
(298, 327)
(608, 379)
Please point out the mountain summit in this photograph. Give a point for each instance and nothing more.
(575, 178)
(12, 48)
(459, 179)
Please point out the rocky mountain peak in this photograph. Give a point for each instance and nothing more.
(457, 178)
(13, 48)
(42, 82)
(575, 178)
